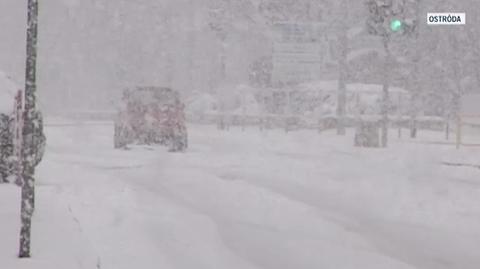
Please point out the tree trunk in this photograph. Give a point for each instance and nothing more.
(413, 113)
(414, 97)
(223, 61)
(169, 57)
(386, 93)
(343, 74)
(342, 97)
(222, 124)
(28, 167)
(191, 45)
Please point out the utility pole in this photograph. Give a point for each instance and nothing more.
(381, 23)
(343, 69)
(416, 56)
(385, 91)
(220, 21)
(27, 166)
(191, 37)
(386, 18)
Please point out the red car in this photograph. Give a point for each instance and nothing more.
(151, 115)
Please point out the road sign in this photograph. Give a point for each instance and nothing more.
(301, 52)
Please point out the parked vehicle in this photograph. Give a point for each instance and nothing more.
(151, 115)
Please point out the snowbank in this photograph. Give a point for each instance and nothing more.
(332, 86)
(240, 100)
(201, 103)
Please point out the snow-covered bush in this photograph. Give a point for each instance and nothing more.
(7, 93)
(34, 143)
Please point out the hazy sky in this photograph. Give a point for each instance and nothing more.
(90, 49)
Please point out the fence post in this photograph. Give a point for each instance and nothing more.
(459, 132)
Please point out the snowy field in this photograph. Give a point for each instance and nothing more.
(249, 199)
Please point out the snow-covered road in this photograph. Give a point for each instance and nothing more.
(250, 200)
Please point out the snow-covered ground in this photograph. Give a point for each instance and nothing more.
(249, 200)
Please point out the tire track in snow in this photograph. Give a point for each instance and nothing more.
(242, 232)
(420, 246)
(398, 240)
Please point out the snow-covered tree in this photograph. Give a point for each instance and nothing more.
(260, 74)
